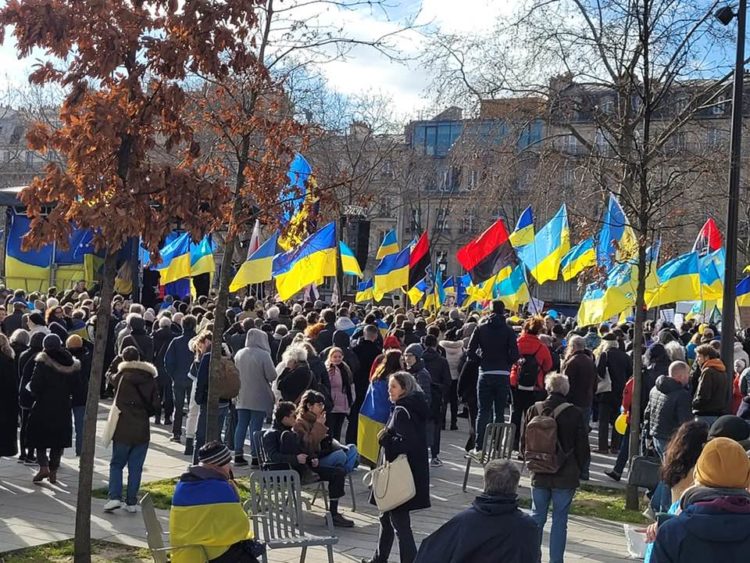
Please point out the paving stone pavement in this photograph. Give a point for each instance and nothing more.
(33, 515)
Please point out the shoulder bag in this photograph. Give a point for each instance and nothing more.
(111, 425)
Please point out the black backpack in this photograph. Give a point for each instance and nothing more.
(528, 372)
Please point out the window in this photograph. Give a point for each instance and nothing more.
(531, 134)
(473, 180)
(468, 222)
(441, 222)
(602, 142)
(436, 139)
(569, 177)
(387, 169)
(570, 144)
(719, 107)
(384, 207)
(608, 105)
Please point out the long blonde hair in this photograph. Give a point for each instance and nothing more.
(5, 347)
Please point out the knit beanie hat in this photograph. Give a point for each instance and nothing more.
(415, 349)
(723, 463)
(214, 453)
(730, 426)
(36, 318)
(51, 342)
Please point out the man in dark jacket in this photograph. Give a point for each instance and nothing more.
(711, 399)
(139, 339)
(492, 529)
(581, 370)
(440, 374)
(177, 362)
(163, 337)
(714, 522)
(493, 345)
(410, 336)
(299, 324)
(14, 321)
(558, 487)
(668, 405)
(366, 350)
(325, 336)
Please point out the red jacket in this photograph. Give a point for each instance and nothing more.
(530, 344)
(627, 398)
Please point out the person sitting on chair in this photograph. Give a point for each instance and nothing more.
(206, 511)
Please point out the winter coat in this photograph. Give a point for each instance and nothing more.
(324, 338)
(286, 341)
(52, 385)
(620, 368)
(272, 446)
(572, 433)
(366, 352)
(139, 340)
(310, 433)
(80, 393)
(714, 525)
(201, 382)
(467, 382)
(342, 340)
(582, 375)
(712, 395)
(440, 371)
(162, 338)
(406, 433)
(257, 373)
(12, 322)
(668, 407)
(424, 379)
(492, 529)
(343, 385)
(179, 359)
(454, 353)
(8, 407)
(137, 398)
(293, 382)
(529, 344)
(497, 342)
(744, 411)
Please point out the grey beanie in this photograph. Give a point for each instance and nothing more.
(415, 349)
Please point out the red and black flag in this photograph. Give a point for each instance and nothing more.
(709, 239)
(419, 260)
(487, 254)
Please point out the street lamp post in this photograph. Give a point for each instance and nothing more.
(725, 16)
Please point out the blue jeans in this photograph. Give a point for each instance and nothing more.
(561, 499)
(78, 413)
(200, 431)
(492, 396)
(340, 458)
(133, 456)
(247, 418)
(660, 445)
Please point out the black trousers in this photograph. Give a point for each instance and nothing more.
(181, 395)
(522, 401)
(397, 521)
(53, 461)
(235, 554)
(26, 449)
(335, 424)
(452, 399)
(607, 416)
(166, 402)
(336, 478)
(352, 427)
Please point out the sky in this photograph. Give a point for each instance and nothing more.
(364, 70)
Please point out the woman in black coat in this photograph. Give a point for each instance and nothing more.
(405, 433)
(8, 399)
(26, 364)
(55, 378)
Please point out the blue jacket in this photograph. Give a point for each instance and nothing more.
(714, 525)
(492, 529)
(179, 358)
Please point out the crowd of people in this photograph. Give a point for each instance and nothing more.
(296, 375)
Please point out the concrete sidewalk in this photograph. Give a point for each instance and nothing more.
(33, 515)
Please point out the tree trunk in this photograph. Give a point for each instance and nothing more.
(86, 468)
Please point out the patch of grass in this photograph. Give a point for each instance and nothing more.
(601, 502)
(162, 491)
(62, 552)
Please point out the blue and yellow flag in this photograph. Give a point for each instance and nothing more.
(309, 263)
(388, 246)
(513, 290)
(436, 297)
(349, 263)
(600, 304)
(449, 286)
(392, 273)
(462, 283)
(29, 270)
(743, 292)
(373, 414)
(712, 275)
(175, 256)
(523, 234)
(258, 267)
(417, 291)
(364, 291)
(542, 257)
(679, 280)
(202, 257)
(580, 257)
(617, 241)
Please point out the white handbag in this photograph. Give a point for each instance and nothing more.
(111, 425)
(604, 385)
(392, 483)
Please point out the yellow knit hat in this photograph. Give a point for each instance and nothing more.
(723, 463)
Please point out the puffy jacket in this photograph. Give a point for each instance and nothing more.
(493, 343)
(454, 353)
(712, 395)
(714, 525)
(137, 398)
(179, 359)
(530, 344)
(492, 529)
(668, 407)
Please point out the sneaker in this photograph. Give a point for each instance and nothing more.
(112, 505)
(342, 522)
(435, 462)
(131, 508)
(476, 452)
(613, 475)
(239, 461)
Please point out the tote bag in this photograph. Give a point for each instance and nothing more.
(111, 425)
(392, 483)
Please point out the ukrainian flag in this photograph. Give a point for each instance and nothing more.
(310, 262)
(388, 246)
(617, 241)
(364, 291)
(258, 267)
(679, 280)
(392, 273)
(202, 257)
(600, 304)
(29, 270)
(175, 263)
(580, 257)
(513, 290)
(436, 298)
(523, 234)
(349, 263)
(449, 286)
(462, 283)
(712, 275)
(542, 257)
(417, 292)
(373, 414)
(743, 292)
